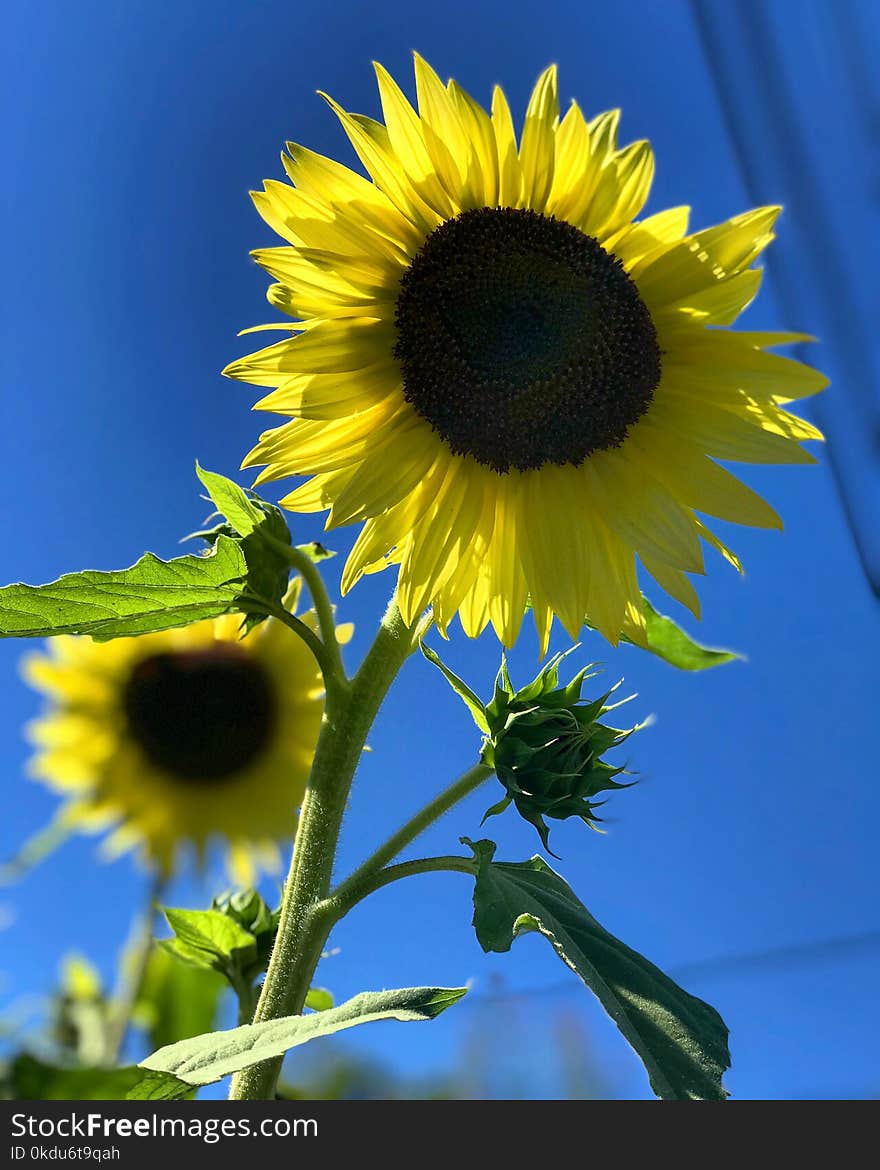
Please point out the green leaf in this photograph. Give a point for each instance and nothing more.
(34, 1080)
(315, 551)
(319, 999)
(209, 938)
(209, 1058)
(158, 1086)
(681, 1040)
(249, 910)
(669, 641)
(262, 529)
(464, 692)
(151, 595)
(232, 501)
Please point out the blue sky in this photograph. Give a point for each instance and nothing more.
(136, 132)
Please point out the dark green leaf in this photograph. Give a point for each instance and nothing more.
(206, 1059)
(158, 1086)
(464, 692)
(151, 595)
(669, 641)
(34, 1080)
(681, 1040)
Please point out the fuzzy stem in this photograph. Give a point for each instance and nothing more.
(304, 925)
(350, 894)
(303, 564)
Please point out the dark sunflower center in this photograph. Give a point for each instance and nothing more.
(201, 715)
(522, 341)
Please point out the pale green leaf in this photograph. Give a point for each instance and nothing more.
(232, 502)
(209, 1058)
(319, 999)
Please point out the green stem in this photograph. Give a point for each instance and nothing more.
(133, 977)
(305, 566)
(349, 895)
(304, 925)
(311, 639)
(349, 891)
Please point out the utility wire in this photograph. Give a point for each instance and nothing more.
(770, 960)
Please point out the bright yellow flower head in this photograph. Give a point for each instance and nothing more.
(180, 737)
(513, 385)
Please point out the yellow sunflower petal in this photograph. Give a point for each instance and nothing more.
(408, 142)
(444, 135)
(537, 151)
(481, 448)
(370, 141)
(673, 582)
(706, 257)
(621, 191)
(481, 182)
(510, 178)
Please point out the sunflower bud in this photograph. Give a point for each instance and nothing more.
(546, 746)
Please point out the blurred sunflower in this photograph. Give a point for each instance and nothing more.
(513, 384)
(179, 737)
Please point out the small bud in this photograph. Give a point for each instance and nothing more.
(545, 744)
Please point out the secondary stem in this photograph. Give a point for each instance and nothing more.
(350, 891)
(303, 928)
(305, 566)
(349, 895)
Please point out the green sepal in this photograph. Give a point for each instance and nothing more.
(496, 809)
(545, 744)
(681, 1040)
(464, 692)
(250, 911)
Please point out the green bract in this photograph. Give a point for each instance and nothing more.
(545, 743)
(546, 746)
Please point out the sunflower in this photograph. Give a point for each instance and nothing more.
(178, 737)
(514, 385)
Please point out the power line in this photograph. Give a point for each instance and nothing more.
(831, 949)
